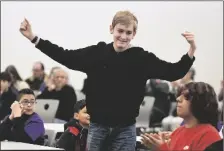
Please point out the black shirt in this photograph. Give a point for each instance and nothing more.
(116, 81)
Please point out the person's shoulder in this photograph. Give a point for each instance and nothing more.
(102, 44)
(98, 46)
(208, 131)
(68, 87)
(12, 92)
(36, 118)
(29, 79)
(134, 48)
(208, 128)
(178, 130)
(22, 85)
(137, 50)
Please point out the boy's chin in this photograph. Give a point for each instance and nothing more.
(85, 124)
(28, 112)
(122, 47)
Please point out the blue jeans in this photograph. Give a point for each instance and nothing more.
(104, 138)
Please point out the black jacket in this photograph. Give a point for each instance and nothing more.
(74, 138)
(6, 100)
(27, 129)
(116, 81)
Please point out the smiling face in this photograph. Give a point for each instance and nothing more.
(123, 27)
(83, 117)
(122, 36)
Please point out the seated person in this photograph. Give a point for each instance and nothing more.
(23, 124)
(17, 82)
(64, 93)
(75, 136)
(38, 76)
(173, 121)
(49, 82)
(7, 95)
(197, 105)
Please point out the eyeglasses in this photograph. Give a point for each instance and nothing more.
(26, 102)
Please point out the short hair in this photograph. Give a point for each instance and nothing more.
(204, 103)
(4, 76)
(79, 106)
(24, 92)
(41, 65)
(126, 18)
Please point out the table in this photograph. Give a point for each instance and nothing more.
(54, 126)
(8, 145)
(51, 129)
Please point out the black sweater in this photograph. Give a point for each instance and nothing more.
(116, 81)
(27, 129)
(6, 100)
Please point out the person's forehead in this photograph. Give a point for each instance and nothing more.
(129, 27)
(27, 97)
(60, 73)
(37, 66)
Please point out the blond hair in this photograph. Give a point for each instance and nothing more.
(125, 18)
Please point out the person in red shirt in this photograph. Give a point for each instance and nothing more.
(197, 105)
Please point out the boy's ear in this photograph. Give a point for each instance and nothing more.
(134, 33)
(111, 29)
(76, 116)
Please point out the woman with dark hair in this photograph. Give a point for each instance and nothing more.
(197, 105)
(17, 81)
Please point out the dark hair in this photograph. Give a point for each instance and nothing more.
(13, 72)
(23, 92)
(42, 66)
(79, 106)
(204, 104)
(4, 76)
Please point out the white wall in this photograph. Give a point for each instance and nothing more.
(79, 24)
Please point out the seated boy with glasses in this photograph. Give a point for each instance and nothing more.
(23, 124)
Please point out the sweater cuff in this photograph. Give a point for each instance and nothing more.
(190, 58)
(37, 41)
